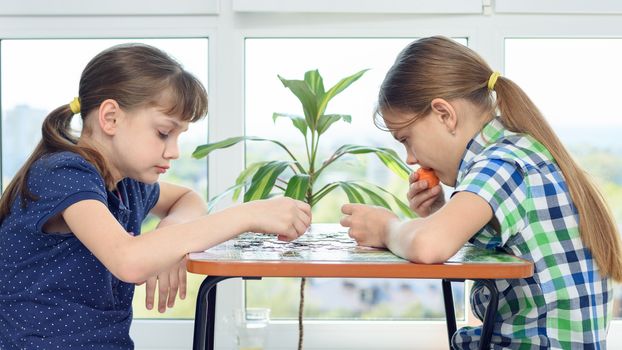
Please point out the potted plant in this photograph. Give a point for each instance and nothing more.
(297, 178)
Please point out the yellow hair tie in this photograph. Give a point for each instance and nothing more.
(493, 80)
(75, 105)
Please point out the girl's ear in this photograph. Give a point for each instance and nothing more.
(108, 114)
(445, 113)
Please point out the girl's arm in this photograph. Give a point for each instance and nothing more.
(438, 237)
(135, 258)
(178, 204)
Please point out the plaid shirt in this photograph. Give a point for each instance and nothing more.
(567, 304)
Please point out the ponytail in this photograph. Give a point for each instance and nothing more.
(55, 137)
(596, 224)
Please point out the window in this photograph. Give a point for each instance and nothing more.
(236, 28)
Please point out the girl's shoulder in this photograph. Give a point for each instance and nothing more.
(63, 159)
(522, 150)
(62, 168)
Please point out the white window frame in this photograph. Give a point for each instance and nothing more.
(359, 6)
(227, 23)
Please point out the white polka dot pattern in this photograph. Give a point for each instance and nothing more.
(54, 294)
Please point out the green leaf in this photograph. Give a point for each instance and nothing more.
(327, 120)
(316, 83)
(264, 179)
(316, 197)
(387, 156)
(212, 202)
(404, 208)
(392, 161)
(297, 186)
(299, 122)
(204, 150)
(375, 198)
(354, 196)
(306, 97)
(250, 170)
(339, 87)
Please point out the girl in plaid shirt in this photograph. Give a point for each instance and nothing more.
(516, 188)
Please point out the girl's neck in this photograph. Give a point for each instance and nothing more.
(91, 143)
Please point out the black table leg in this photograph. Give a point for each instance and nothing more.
(489, 316)
(204, 318)
(450, 314)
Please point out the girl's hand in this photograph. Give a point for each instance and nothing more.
(368, 224)
(421, 199)
(286, 217)
(169, 283)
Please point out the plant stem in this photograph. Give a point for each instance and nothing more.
(328, 162)
(301, 313)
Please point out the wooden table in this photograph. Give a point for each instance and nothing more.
(327, 251)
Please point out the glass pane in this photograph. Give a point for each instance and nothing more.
(335, 59)
(575, 83)
(40, 75)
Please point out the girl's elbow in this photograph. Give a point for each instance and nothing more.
(425, 249)
(130, 270)
(130, 274)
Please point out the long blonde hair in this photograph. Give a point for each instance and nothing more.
(440, 67)
(134, 75)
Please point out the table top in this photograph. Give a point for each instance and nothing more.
(326, 250)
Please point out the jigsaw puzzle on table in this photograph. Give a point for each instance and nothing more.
(323, 243)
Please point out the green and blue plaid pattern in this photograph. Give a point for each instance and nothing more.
(567, 304)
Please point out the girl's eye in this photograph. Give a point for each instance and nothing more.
(162, 135)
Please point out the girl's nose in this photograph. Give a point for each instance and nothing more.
(410, 159)
(171, 151)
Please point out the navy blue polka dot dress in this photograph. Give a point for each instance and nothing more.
(54, 293)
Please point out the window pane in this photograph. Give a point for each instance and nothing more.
(575, 83)
(41, 75)
(335, 59)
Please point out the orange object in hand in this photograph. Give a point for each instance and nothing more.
(429, 176)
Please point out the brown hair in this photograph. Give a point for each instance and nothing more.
(440, 67)
(134, 75)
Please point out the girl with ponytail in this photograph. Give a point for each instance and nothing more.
(70, 243)
(515, 188)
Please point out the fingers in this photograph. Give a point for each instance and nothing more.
(299, 229)
(306, 208)
(418, 195)
(183, 279)
(168, 283)
(163, 289)
(346, 221)
(348, 208)
(416, 188)
(173, 287)
(298, 223)
(305, 218)
(413, 177)
(150, 292)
